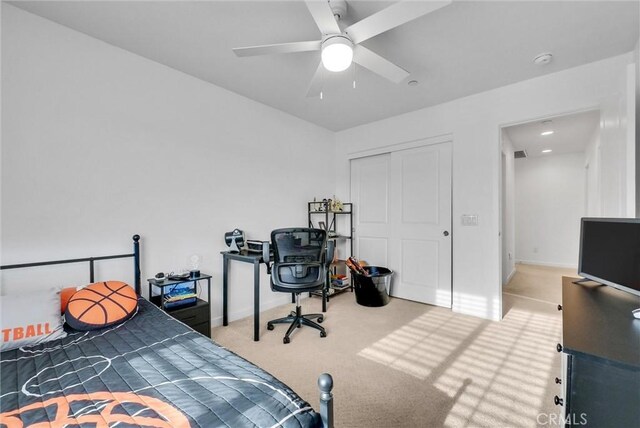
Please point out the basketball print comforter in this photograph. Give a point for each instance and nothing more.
(151, 371)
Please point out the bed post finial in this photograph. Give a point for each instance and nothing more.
(136, 264)
(325, 384)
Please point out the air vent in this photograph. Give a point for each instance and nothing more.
(519, 154)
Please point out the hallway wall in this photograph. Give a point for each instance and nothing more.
(549, 202)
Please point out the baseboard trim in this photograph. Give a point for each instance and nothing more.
(513, 272)
(248, 311)
(530, 298)
(548, 264)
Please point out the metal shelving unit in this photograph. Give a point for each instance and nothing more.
(334, 221)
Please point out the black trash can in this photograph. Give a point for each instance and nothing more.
(372, 290)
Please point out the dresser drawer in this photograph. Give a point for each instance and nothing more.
(192, 315)
(203, 328)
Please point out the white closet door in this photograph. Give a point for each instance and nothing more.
(402, 202)
(420, 244)
(370, 197)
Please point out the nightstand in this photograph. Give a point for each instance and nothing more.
(196, 315)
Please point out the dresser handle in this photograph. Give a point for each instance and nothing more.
(559, 307)
(558, 401)
(559, 347)
(558, 380)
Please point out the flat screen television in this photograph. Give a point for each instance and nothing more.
(610, 252)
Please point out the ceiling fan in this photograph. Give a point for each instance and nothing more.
(339, 48)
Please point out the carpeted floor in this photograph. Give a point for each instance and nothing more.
(414, 365)
(538, 282)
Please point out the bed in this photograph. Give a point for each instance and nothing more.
(150, 370)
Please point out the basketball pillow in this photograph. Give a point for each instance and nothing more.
(65, 295)
(101, 305)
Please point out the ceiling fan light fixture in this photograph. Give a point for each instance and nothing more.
(337, 53)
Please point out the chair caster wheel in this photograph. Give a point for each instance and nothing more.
(323, 334)
(286, 340)
(269, 326)
(320, 320)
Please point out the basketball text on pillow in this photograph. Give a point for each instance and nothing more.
(100, 305)
(30, 319)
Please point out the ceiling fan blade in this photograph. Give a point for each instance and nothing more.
(315, 87)
(280, 48)
(374, 62)
(391, 17)
(323, 15)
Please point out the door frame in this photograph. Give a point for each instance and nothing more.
(501, 127)
(413, 144)
(395, 147)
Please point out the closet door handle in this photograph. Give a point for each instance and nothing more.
(445, 233)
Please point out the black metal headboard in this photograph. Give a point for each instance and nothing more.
(91, 260)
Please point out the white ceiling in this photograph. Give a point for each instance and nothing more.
(462, 49)
(571, 133)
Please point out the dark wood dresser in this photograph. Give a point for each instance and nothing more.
(601, 342)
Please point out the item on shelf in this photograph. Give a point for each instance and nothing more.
(335, 205)
(340, 281)
(234, 240)
(178, 276)
(254, 246)
(160, 276)
(195, 260)
(181, 303)
(180, 295)
(194, 273)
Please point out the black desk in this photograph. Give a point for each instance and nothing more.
(246, 257)
(255, 259)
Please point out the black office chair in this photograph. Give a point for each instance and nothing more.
(300, 264)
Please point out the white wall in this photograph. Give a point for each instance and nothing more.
(549, 202)
(592, 164)
(508, 209)
(474, 123)
(636, 53)
(617, 146)
(99, 144)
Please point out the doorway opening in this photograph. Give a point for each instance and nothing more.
(550, 179)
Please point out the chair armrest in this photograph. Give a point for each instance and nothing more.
(266, 255)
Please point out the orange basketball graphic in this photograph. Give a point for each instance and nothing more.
(66, 294)
(100, 305)
(140, 411)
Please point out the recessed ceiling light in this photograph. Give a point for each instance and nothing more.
(412, 83)
(546, 132)
(543, 59)
(547, 151)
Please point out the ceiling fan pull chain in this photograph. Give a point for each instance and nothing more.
(354, 74)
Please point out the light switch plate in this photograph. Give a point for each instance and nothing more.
(469, 219)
